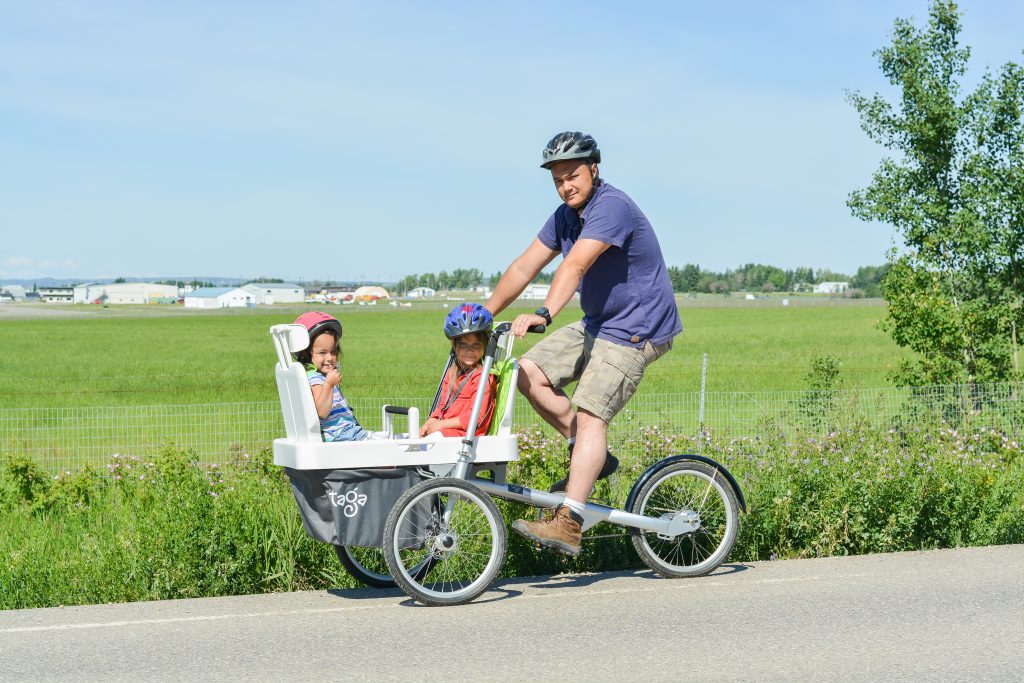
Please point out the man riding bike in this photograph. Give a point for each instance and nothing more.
(612, 257)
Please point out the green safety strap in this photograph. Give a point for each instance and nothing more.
(503, 371)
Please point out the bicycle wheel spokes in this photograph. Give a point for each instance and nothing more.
(455, 526)
(366, 564)
(689, 487)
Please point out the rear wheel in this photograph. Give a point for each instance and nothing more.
(456, 530)
(690, 487)
(367, 565)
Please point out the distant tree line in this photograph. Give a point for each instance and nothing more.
(757, 277)
(691, 278)
(460, 278)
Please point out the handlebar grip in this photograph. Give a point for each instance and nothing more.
(396, 410)
(539, 329)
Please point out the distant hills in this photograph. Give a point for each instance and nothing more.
(68, 282)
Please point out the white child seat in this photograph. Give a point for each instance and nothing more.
(304, 448)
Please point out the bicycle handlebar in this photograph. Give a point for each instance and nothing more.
(503, 328)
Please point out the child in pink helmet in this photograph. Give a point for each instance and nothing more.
(320, 358)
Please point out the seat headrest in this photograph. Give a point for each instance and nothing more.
(288, 339)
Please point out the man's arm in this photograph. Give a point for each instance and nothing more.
(565, 283)
(519, 274)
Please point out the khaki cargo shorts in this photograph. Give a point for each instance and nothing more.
(607, 373)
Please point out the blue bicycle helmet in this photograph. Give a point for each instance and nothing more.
(467, 318)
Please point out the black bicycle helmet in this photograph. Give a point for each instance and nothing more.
(570, 145)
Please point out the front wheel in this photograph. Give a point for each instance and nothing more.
(692, 487)
(453, 527)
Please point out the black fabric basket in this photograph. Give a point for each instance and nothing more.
(350, 507)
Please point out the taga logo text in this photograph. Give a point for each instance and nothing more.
(349, 502)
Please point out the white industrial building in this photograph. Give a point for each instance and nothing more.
(275, 292)
(126, 293)
(535, 292)
(421, 293)
(16, 292)
(57, 295)
(219, 297)
(831, 287)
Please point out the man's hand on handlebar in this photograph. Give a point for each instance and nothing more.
(528, 322)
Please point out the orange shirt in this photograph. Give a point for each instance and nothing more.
(462, 404)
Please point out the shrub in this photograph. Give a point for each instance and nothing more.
(173, 528)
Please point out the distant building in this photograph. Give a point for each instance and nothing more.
(125, 293)
(57, 295)
(535, 292)
(219, 297)
(420, 293)
(831, 287)
(371, 293)
(265, 293)
(17, 292)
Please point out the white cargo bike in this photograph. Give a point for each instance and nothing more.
(428, 502)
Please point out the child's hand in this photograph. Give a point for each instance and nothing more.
(332, 377)
(429, 427)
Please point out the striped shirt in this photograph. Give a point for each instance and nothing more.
(340, 424)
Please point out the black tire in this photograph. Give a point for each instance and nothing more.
(696, 487)
(367, 565)
(463, 555)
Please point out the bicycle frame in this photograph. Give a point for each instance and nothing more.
(671, 526)
(676, 525)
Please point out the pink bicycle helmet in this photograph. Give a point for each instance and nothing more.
(317, 322)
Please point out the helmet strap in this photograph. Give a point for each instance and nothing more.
(595, 183)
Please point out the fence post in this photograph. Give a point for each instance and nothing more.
(700, 418)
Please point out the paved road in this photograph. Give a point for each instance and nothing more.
(945, 615)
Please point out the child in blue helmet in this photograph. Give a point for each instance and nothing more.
(468, 326)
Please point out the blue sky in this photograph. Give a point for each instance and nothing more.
(373, 140)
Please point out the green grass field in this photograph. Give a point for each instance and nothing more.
(157, 355)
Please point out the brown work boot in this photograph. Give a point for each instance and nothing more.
(562, 533)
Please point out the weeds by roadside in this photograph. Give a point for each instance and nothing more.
(173, 528)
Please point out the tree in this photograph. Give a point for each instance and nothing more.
(952, 191)
(869, 279)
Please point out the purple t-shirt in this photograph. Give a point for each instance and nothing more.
(626, 295)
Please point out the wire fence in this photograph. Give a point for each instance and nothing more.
(69, 438)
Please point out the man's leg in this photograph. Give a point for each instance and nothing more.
(588, 456)
(550, 403)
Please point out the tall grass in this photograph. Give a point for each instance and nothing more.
(173, 528)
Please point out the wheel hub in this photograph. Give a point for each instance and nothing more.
(680, 523)
(446, 543)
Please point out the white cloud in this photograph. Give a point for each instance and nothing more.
(24, 267)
